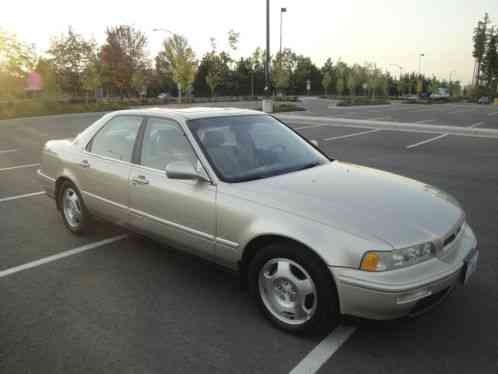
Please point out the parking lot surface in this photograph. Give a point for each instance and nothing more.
(135, 305)
(451, 114)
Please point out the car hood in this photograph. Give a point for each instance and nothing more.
(360, 200)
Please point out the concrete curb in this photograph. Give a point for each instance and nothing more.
(397, 126)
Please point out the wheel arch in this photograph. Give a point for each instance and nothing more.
(259, 242)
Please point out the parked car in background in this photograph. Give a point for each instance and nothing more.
(311, 236)
(483, 100)
(163, 96)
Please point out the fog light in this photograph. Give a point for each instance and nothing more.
(413, 296)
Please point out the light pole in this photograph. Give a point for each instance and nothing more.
(267, 59)
(282, 11)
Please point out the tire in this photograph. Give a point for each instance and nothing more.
(75, 217)
(294, 289)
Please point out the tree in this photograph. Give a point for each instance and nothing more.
(490, 62)
(180, 61)
(282, 69)
(480, 38)
(70, 54)
(326, 82)
(340, 70)
(122, 55)
(138, 82)
(91, 79)
(17, 59)
(233, 39)
(48, 77)
(215, 71)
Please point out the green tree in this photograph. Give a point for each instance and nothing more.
(215, 71)
(480, 38)
(70, 54)
(138, 82)
(180, 61)
(48, 77)
(17, 59)
(91, 79)
(233, 39)
(122, 55)
(282, 66)
(326, 81)
(340, 71)
(490, 62)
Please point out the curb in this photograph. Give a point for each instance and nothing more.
(386, 125)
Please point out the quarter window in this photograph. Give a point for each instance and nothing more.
(117, 138)
(164, 142)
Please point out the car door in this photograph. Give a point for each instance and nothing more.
(180, 211)
(104, 168)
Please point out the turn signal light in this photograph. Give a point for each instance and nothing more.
(370, 261)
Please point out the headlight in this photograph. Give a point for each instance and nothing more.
(397, 258)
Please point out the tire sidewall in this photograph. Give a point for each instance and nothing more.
(327, 314)
(84, 221)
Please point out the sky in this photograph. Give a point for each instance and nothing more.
(383, 32)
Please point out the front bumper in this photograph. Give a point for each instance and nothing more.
(397, 293)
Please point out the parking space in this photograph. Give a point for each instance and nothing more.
(139, 306)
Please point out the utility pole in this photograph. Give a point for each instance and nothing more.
(420, 63)
(267, 62)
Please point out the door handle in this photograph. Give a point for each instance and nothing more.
(140, 179)
(85, 164)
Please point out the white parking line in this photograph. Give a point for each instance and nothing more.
(7, 151)
(20, 167)
(354, 134)
(323, 351)
(426, 141)
(59, 256)
(459, 111)
(493, 114)
(308, 127)
(426, 121)
(476, 124)
(3, 199)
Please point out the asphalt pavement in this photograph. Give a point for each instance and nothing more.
(138, 306)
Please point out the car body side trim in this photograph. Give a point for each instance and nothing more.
(172, 224)
(105, 200)
(227, 243)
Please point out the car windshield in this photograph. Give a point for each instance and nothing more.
(243, 148)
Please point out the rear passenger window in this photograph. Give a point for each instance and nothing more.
(164, 142)
(117, 138)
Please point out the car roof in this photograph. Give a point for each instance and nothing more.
(191, 113)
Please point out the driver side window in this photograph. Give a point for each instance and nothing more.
(164, 142)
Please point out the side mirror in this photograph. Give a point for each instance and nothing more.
(183, 170)
(315, 143)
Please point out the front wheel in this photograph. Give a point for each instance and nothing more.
(73, 210)
(294, 289)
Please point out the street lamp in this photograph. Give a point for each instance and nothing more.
(267, 59)
(282, 11)
(165, 30)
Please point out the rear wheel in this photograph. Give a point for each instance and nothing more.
(73, 210)
(294, 289)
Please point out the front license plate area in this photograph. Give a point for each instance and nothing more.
(470, 265)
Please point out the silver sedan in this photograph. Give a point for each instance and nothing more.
(312, 237)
